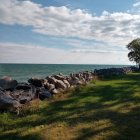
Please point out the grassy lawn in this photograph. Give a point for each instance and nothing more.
(108, 109)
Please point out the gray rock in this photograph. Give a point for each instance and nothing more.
(59, 77)
(36, 82)
(80, 83)
(46, 85)
(1, 90)
(60, 84)
(23, 86)
(54, 91)
(51, 87)
(7, 83)
(75, 78)
(8, 103)
(51, 80)
(71, 82)
(25, 99)
(44, 94)
(66, 83)
(24, 94)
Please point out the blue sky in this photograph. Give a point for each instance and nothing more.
(67, 31)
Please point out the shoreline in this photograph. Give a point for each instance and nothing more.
(14, 94)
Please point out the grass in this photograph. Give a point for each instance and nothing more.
(108, 109)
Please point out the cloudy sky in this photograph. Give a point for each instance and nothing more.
(67, 31)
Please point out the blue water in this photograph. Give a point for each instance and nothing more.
(22, 72)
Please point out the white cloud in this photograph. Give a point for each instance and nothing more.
(17, 53)
(135, 9)
(93, 46)
(113, 31)
(115, 28)
(137, 4)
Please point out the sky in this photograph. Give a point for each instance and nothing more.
(68, 31)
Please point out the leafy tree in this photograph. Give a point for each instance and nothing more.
(134, 54)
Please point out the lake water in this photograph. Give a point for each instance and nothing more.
(22, 72)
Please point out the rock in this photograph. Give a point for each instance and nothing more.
(71, 75)
(8, 103)
(111, 71)
(23, 86)
(46, 85)
(1, 90)
(44, 94)
(78, 75)
(57, 83)
(20, 95)
(24, 99)
(7, 83)
(51, 80)
(75, 78)
(79, 83)
(54, 91)
(45, 82)
(60, 84)
(59, 77)
(71, 82)
(36, 82)
(49, 87)
(66, 83)
(83, 80)
(24, 93)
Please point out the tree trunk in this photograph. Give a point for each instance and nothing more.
(139, 66)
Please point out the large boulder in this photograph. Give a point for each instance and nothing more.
(1, 90)
(9, 103)
(75, 78)
(78, 75)
(51, 80)
(36, 82)
(66, 83)
(71, 82)
(83, 80)
(23, 86)
(57, 83)
(24, 93)
(7, 83)
(60, 84)
(55, 91)
(44, 94)
(49, 86)
(24, 99)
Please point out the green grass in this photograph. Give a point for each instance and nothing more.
(108, 109)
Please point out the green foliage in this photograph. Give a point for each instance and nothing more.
(134, 47)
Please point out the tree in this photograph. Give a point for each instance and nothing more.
(134, 54)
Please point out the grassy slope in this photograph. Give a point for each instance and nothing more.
(109, 109)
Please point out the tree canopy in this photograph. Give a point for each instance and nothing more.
(134, 54)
